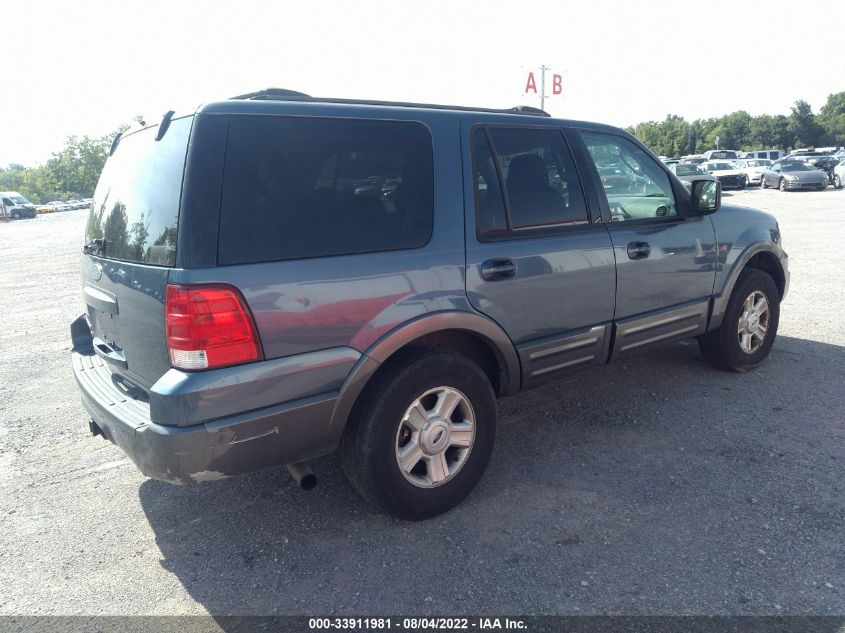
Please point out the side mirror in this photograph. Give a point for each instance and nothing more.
(706, 197)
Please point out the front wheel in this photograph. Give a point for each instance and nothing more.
(748, 329)
(422, 434)
(16, 215)
(763, 184)
(837, 182)
(782, 184)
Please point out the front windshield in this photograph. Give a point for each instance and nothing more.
(20, 200)
(688, 170)
(759, 163)
(719, 166)
(797, 167)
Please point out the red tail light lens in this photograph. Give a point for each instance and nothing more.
(209, 327)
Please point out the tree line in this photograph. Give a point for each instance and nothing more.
(71, 173)
(675, 136)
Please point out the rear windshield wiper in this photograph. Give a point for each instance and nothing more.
(95, 247)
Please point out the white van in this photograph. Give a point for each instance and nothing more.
(720, 154)
(17, 206)
(770, 154)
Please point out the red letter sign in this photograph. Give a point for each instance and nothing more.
(557, 84)
(531, 86)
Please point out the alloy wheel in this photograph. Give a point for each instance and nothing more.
(753, 322)
(435, 437)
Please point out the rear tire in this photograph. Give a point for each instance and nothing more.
(398, 420)
(738, 344)
(837, 182)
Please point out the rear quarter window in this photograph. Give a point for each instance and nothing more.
(296, 187)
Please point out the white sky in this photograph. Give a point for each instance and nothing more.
(82, 67)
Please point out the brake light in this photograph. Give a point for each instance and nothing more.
(209, 327)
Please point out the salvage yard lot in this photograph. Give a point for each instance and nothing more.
(656, 485)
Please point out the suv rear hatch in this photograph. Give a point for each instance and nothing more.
(130, 247)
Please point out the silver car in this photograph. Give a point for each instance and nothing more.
(839, 174)
(793, 175)
(753, 169)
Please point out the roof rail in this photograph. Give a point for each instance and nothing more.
(283, 94)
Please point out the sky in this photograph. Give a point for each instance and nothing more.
(84, 67)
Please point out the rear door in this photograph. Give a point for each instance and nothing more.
(539, 259)
(130, 247)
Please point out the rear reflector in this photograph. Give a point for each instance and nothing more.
(209, 327)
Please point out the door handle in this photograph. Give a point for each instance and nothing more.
(497, 269)
(638, 250)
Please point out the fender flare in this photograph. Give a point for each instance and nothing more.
(471, 322)
(720, 300)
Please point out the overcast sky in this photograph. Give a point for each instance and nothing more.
(84, 67)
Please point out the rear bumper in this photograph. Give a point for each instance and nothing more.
(273, 435)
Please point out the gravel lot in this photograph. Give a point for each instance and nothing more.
(653, 486)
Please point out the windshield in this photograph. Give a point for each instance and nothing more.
(687, 170)
(723, 154)
(797, 167)
(136, 204)
(20, 200)
(759, 163)
(719, 166)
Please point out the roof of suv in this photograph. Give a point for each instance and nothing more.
(279, 100)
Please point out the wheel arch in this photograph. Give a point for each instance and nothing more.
(471, 334)
(763, 258)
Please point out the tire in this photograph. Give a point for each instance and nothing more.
(721, 347)
(763, 184)
(16, 215)
(747, 182)
(837, 182)
(782, 184)
(378, 426)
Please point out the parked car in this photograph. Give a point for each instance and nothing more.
(728, 175)
(17, 206)
(791, 175)
(767, 154)
(688, 173)
(59, 205)
(753, 169)
(269, 313)
(692, 159)
(839, 175)
(75, 204)
(45, 208)
(720, 154)
(823, 162)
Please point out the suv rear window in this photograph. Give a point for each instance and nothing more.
(136, 204)
(297, 187)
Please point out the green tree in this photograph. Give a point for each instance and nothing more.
(803, 126)
(831, 119)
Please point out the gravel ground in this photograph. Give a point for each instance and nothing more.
(652, 486)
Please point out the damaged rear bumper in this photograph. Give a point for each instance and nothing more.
(184, 453)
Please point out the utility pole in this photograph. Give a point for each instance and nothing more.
(543, 70)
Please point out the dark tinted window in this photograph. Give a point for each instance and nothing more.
(136, 204)
(307, 187)
(541, 185)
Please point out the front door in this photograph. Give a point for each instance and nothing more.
(665, 264)
(539, 260)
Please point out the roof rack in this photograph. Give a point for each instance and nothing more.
(283, 94)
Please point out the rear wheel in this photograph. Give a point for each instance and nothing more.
(837, 182)
(748, 329)
(422, 434)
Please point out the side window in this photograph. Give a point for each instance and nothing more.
(541, 185)
(635, 186)
(312, 187)
(776, 168)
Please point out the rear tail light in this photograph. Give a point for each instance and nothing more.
(209, 327)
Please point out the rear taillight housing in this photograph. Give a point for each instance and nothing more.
(209, 326)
